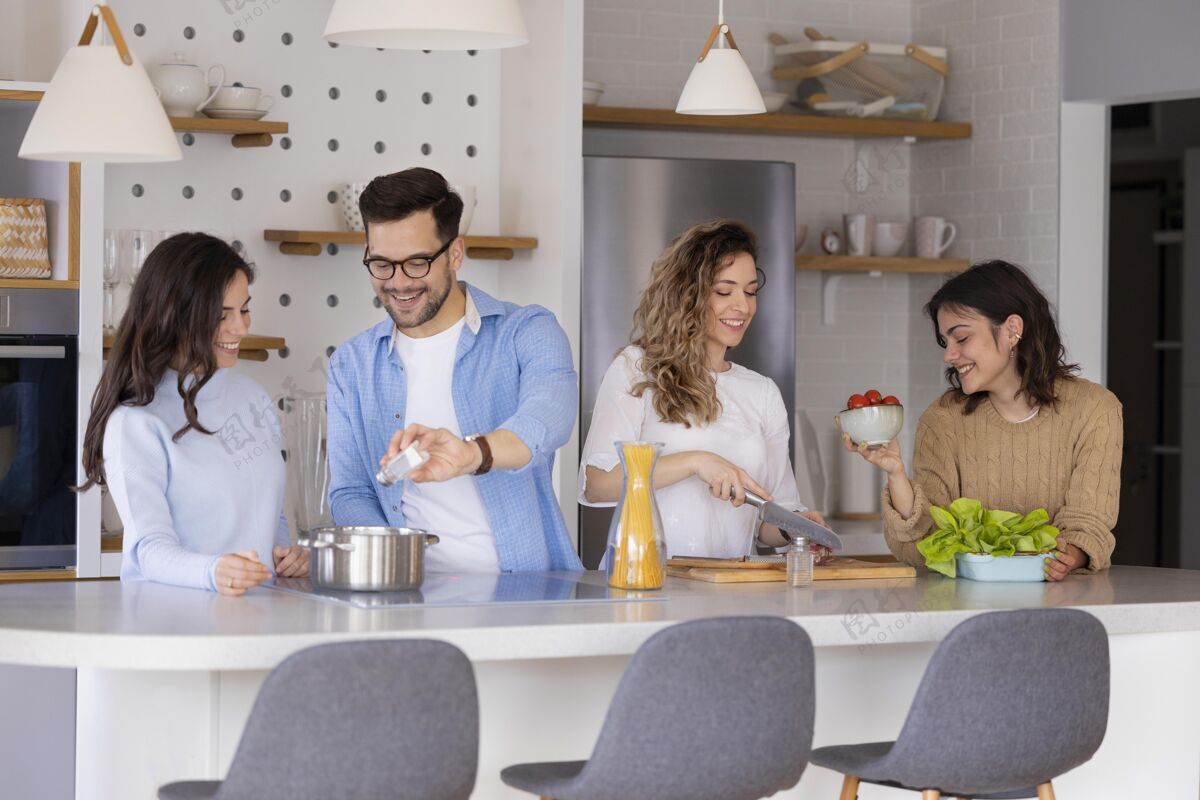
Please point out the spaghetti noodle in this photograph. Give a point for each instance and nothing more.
(637, 561)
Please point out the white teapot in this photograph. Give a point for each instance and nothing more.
(183, 87)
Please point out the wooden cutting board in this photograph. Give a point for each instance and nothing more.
(751, 572)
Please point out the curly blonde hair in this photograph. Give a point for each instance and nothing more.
(671, 322)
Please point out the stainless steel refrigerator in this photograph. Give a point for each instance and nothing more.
(634, 207)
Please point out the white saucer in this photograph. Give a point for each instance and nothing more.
(234, 113)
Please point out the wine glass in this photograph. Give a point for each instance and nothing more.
(111, 275)
(140, 244)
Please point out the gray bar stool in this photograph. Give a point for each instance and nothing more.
(716, 709)
(1010, 701)
(356, 721)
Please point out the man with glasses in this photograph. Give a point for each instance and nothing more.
(485, 388)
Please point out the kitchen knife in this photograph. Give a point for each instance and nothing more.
(792, 524)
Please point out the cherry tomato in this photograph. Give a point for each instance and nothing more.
(857, 401)
(891, 400)
(873, 396)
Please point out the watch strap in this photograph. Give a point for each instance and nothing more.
(485, 465)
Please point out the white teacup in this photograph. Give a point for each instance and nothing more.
(241, 98)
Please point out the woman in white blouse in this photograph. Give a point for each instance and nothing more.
(721, 423)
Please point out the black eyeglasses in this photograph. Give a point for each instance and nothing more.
(413, 266)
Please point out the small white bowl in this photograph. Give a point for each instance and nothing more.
(874, 425)
(591, 92)
(889, 238)
(774, 101)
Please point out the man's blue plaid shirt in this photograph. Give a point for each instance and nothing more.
(513, 371)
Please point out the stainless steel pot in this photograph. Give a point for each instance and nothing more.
(367, 558)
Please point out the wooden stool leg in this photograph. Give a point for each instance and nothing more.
(1046, 791)
(931, 794)
(849, 788)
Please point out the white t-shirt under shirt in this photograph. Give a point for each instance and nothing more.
(452, 509)
(752, 432)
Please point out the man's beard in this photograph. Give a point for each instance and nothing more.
(428, 312)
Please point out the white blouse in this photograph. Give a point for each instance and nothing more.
(752, 433)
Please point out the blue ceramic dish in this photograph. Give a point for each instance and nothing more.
(976, 567)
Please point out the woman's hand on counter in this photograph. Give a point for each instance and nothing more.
(237, 572)
(1068, 557)
(725, 479)
(291, 562)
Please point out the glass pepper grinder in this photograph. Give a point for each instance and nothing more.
(799, 563)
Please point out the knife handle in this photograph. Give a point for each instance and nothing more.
(753, 499)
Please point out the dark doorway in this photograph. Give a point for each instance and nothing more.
(1145, 291)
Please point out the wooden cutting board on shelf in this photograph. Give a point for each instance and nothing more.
(738, 571)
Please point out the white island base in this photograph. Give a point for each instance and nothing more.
(164, 690)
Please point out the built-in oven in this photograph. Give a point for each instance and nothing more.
(39, 388)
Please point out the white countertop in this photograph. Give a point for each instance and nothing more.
(106, 624)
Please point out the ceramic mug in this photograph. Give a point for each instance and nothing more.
(889, 238)
(860, 231)
(467, 193)
(931, 236)
(240, 98)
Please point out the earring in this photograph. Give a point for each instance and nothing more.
(1013, 352)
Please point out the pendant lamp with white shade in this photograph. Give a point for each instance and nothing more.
(720, 82)
(427, 24)
(100, 106)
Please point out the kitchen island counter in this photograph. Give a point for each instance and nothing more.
(166, 676)
(111, 625)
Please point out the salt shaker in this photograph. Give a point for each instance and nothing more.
(394, 471)
(799, 563)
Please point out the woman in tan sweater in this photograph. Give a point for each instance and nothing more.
(1016, 430)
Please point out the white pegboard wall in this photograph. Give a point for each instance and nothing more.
(303, 164)
(434, 108)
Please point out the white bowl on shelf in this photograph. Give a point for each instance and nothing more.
(591, 92)
(874, 425)
(774, 101)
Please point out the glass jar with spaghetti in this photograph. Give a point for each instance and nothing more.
(637, 549)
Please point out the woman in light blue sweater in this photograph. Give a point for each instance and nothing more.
(190, 449)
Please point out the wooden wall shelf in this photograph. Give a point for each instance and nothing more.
(246, 133)
(776, 124)
(20, 94)
(254, 348)
(928, 266)
(309, 243)
(834, 268)
(36, 283)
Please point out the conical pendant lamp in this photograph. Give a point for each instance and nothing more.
(100, 106)
(720, 82)
(427, 24)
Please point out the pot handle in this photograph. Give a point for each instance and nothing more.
(432, 538)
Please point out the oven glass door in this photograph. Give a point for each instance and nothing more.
(38, 409)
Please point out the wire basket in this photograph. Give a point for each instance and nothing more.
(861, 79)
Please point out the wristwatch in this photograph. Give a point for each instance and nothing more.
(486, 464)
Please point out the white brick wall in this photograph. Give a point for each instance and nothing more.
(1000, 187)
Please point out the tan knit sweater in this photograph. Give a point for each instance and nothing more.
(1066, 460)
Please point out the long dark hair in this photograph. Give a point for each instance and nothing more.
(996, 290)
(174, 312)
